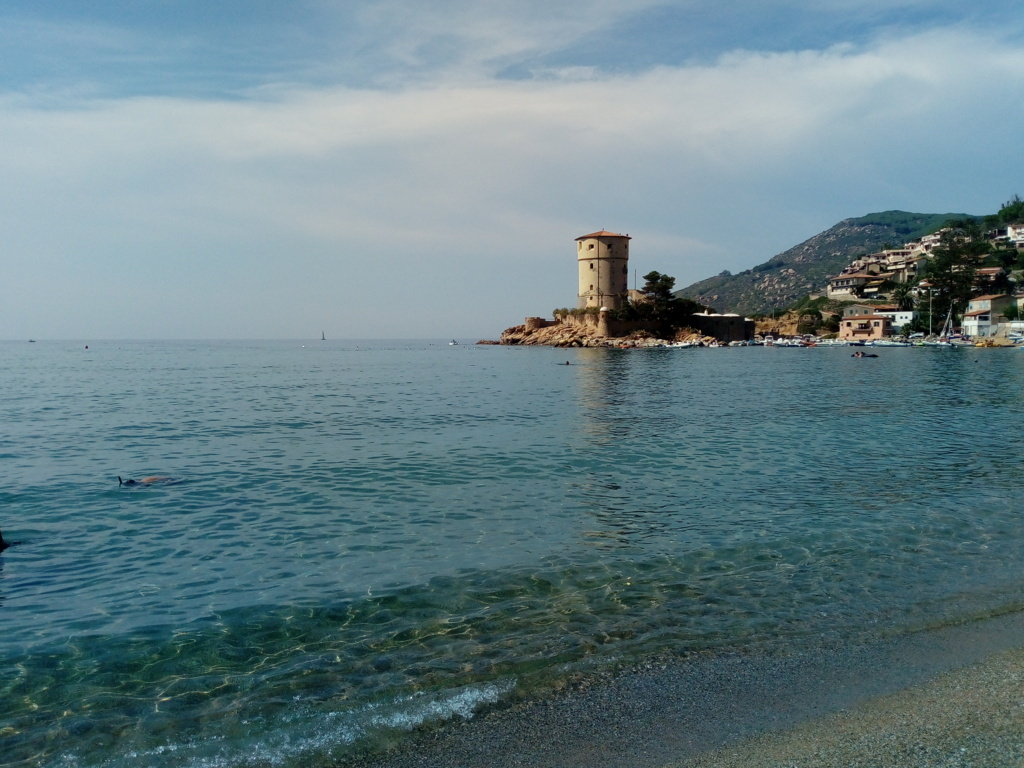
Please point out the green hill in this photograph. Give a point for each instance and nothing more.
(805, 268)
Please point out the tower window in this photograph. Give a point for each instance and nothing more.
(591, 265)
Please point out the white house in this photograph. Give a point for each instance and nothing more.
(899, 317)
(984, 314)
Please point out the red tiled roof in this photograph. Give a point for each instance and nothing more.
(977, 312)
(602, 233)
(991, 296)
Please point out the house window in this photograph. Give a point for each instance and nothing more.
(591, 265)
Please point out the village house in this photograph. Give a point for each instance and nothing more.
(1011, 233)
(984, 314)
(908, 269)
(847, 286)
(899, 317)
(869, 275)
(851, 310)
(865, 327)
(990, 278)
(874, 289)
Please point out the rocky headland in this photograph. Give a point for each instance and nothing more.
(566, 335)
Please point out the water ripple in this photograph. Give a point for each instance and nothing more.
(361, 539)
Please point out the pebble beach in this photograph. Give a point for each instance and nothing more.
(952, 697)
(969, 717)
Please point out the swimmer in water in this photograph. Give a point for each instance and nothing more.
(145, 480)
(6, 544)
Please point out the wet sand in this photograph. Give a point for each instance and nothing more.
(948, 697)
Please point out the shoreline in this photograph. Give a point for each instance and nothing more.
(914, 700)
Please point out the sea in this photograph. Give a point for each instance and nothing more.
(360, 540)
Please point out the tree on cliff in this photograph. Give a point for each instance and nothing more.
(662, 308)
(658, 290)
(1012, 212)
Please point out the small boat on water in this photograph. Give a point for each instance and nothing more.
(453, 343)
(322, 336)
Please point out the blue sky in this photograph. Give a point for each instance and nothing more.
(262, 169)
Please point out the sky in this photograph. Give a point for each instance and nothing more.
(260, 169)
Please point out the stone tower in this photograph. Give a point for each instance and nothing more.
(603, 259)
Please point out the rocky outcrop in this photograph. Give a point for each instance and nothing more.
(557, 335)
(569, 335)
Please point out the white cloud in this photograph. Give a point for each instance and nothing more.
(264, 217)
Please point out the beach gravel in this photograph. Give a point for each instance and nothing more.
(952, 697)
(969, 718)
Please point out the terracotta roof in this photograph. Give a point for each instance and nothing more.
(602, 233)
(855, 274)
(867, 317)
(990, 270)
(977, 312)
(991, 296)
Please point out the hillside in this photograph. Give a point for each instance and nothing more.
(805, 268)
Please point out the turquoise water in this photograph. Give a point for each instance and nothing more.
(366, 536)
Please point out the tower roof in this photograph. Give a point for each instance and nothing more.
(602, 233)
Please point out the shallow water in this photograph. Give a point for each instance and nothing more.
(364, 536)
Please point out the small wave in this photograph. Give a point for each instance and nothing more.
(302, 734)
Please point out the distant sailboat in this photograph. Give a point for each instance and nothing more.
(322, 337)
